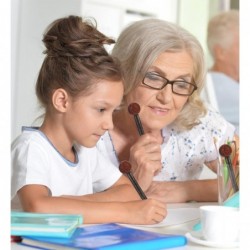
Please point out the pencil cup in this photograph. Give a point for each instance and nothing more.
(226, 188)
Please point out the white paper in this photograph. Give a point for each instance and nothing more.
(177, 216)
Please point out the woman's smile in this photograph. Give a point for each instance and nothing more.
(159, 110)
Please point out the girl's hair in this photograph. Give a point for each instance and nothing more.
(139, 45)
(75, 59)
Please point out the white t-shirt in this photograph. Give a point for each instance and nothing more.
(184, 153)
(227, 95)
(36, 161)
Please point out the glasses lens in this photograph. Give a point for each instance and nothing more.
(183, 88)
(154, 81)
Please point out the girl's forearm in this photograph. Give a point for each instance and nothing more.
(92, 212)
(119, 193)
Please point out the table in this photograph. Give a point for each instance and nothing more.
(175, 229)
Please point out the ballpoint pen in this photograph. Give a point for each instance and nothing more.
(225, 150)
(134, 109)
(125, 168)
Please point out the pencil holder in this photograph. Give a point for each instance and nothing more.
(228, 175)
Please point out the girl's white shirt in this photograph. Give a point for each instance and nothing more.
(36, 161)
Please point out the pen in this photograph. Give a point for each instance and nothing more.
(225, 151)
(125, 168)
(134, 109)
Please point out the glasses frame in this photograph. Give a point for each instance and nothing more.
(168, 82)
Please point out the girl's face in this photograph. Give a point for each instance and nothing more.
(161, 107)
(90, 116)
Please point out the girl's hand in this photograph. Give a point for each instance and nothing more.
(145, 211)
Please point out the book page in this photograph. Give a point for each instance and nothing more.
(177, 216)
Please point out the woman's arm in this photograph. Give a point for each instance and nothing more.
(184, 191)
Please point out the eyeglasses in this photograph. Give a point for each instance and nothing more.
(179, 87)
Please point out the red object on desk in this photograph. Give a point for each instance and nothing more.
(15, 238)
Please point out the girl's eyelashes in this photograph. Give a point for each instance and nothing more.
(101, 110)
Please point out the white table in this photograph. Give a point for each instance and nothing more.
(176, 229)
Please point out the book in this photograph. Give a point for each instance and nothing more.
(42, 224)
(109, 236)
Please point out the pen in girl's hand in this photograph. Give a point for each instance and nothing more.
(125, 168)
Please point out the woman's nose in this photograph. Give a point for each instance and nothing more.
(165, 95)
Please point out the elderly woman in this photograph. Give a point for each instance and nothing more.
(164, 71)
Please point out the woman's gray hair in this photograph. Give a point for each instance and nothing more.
(140, 44)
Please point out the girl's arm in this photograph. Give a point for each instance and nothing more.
(122, 190)
(36, 198)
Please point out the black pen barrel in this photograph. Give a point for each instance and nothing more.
(231, 174)
(138, 124)
(137, 186)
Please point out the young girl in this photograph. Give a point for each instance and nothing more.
(56, 167)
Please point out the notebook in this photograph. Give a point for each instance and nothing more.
(109, 236)
(42, 224)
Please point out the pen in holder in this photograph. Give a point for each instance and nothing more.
(227, 191)
(228, 174)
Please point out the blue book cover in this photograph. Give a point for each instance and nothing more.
(109, 237)
(43, 224)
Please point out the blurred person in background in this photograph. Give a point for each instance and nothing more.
(223, 45)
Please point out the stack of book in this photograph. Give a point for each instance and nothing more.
(42, 224)
(46, 231)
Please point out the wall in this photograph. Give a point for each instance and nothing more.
(197, 24)
(29, 20)
(31, 17)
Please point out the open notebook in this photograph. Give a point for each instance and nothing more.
(178, 216)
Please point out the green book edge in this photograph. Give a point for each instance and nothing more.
(69, 222)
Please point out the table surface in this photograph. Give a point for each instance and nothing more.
(175, 229)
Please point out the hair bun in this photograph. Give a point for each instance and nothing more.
(72, 37)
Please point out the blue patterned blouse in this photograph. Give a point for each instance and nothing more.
(184, 153)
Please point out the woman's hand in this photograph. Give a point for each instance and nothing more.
(145, 158)
(184, 191)
(168, 191)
